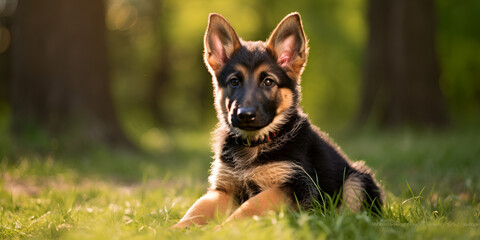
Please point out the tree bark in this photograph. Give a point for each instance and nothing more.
(60, 78)
(401, 81)
(163, 70)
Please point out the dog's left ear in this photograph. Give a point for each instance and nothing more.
(288, 44)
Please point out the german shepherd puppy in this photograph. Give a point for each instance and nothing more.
(267, 153)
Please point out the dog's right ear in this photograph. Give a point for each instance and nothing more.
(220, 41)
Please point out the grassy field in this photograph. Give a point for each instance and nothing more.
(431, 181)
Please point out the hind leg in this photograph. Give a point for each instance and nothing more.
(360, 191)
(353, 192)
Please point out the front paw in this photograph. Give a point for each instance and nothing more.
(181, 225)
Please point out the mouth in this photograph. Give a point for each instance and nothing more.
(250, 128)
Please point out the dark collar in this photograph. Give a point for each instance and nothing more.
(295, 120)
(249, 143)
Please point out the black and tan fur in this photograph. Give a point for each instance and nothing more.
(267, 153)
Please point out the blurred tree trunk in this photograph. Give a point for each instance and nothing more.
(4, 61)
(402, 73)
(163, 69)
(60, 79)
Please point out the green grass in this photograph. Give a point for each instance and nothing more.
(431, 181)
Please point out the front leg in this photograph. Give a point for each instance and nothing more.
(270, 199)
(205, 208)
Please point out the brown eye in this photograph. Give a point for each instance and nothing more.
(268, 82)
(234, 82)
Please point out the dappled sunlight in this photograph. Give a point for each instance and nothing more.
(156, 140)
(121, 16)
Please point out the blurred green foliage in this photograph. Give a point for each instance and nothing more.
(458, 44)
(337, 31)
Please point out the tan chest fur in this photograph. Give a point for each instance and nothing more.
(265, 176)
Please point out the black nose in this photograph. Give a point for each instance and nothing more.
(246, 114)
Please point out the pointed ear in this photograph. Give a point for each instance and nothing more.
(288, 44)
(220, 42)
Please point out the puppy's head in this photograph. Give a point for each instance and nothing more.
(256, 83)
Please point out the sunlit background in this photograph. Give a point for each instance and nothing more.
(159, 82)
(330, 82)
